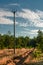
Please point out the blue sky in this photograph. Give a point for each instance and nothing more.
(29, 16)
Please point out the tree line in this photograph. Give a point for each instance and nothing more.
(8, 41)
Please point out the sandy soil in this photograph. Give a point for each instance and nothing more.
(20, 57)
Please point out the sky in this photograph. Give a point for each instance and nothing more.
(28, 17)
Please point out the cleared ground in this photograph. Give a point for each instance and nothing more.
(21, 57)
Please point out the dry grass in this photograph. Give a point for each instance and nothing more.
(22, 57)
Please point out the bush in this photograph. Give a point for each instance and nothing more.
(36, 53)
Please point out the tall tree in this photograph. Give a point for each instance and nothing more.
(40, 40)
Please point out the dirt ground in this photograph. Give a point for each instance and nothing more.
(21, 56)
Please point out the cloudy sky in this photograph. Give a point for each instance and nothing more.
(29, 17)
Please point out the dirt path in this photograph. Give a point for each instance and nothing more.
(23, 57)
(19, 59)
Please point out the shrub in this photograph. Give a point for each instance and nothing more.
(36, 53)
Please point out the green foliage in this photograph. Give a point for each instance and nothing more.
(36, 53)
(8, 41)
(33, 42)
(40, 40)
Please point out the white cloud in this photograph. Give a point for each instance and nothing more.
(30, 31)
(23, 24)
(39, 24)
(6, 13)
(4, 19)
(40, 13)
(16, 4)
(33, 31)
(36, 18)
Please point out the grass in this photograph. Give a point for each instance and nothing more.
(37, 55)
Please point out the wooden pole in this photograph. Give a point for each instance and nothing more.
(14, 31)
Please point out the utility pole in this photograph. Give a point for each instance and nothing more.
(14, 31)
